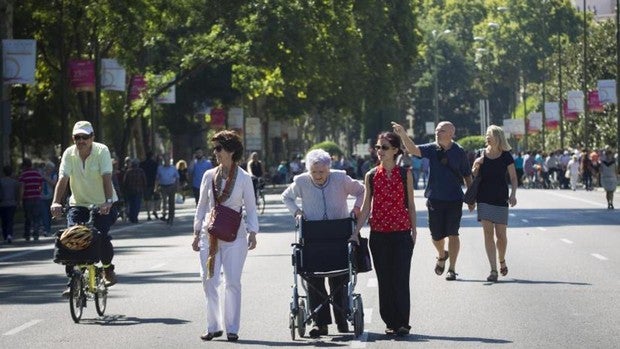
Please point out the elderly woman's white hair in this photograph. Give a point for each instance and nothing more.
(318, 156)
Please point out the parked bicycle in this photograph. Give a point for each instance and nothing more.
(79, 245)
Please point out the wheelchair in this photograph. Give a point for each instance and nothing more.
(322, 249)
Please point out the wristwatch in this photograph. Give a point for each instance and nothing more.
(109, 201)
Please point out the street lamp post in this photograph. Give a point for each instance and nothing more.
(436, 37)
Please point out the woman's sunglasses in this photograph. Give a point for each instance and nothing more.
(382, 147)
(82, 137)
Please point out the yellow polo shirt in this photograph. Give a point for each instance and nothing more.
(85, 178)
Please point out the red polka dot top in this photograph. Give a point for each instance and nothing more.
(389, 213)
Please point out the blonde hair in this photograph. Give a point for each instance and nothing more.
(498, 133)
(181, 165)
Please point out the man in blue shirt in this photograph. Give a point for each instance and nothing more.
(196, 169)
(167, 179)
(448, 167)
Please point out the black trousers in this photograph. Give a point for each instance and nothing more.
(317, 294)
(391, 255)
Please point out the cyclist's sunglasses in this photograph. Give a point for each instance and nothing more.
(382, 147)
(82, 137)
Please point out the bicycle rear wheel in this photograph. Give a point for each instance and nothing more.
(77, 298)
(101, 294)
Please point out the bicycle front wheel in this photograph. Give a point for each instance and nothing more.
(101, 294)
(77, 298)
(261, 202)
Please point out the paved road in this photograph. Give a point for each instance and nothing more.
(561, 292)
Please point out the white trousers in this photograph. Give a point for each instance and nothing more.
(229, 261)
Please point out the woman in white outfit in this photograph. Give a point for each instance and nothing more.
(573, 171)
(217, 255)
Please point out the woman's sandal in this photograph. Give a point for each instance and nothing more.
(493, 276)
(503, 270)
(439, 269)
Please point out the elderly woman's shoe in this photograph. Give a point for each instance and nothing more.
(232, 337)
(318, 331)
(210, 335)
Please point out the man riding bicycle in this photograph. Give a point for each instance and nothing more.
(257, 170)
(87, 167)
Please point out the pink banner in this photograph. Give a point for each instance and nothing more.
(82, 74)
(138, 85)
(594, 103)
(569, 116)
(218, 118)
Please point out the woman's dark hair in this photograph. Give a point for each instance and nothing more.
(394, 141)
(230, 141)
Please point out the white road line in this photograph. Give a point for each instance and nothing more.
(525, 221)
(593, 203)
(360, 342)
(541, 228)
(367, 315)
(512, 215)
(372, 282)
(596, 255)
(566, 241)
(158, 265)
(22, 327)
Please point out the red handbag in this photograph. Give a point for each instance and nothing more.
(224, 223)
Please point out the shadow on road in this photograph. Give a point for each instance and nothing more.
(122, 320)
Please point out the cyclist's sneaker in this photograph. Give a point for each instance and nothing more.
(109, 276)
(66, 292)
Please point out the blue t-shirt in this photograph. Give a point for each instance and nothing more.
(198, 169)
(447, 169)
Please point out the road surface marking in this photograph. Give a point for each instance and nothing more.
(367, 315)
(567, 241)
(372, 282)
(603, 258)
(360, 342)
(158, 265)
(22, 327)
(525, 221)
(541, 228)
(593, 203)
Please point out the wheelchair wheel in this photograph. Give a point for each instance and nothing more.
(301, 319)
(291, 324)
(358, 316)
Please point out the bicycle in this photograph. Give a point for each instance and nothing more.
(86, 279)
(260, 196)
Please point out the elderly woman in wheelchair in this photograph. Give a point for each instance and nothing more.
(323, 214)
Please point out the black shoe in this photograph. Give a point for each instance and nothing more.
(163, 218)
(210, 335)
(155, 214)
(232, 337)
(451, 275)
(110, 276)
(318, 331)
(403, 331)
(493, 276)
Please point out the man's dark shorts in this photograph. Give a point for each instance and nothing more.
(444, 218)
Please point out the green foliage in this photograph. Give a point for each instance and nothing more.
(472, 142)
(330, 147)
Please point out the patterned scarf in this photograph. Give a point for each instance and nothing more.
(223, 196)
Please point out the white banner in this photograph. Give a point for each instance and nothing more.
(292, 132)
(235, 118)
(535, 121)
(552, 112)
(607, 91)
(19, 61)
(575, 101)
(430, 127)
(167, 97)
(275, 129)
(253, 140)
(113, 76)
(514, 127)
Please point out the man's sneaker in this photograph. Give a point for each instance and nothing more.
(110, 276)
(66, 293)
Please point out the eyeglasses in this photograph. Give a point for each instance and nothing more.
(82, 137)
(218, 148)
(382, 147)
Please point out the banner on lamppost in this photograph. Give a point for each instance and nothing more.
(515, 127)
(575, 101)
(253, 139)
(594, 103)
(292, 132)
(19, 59)
(218, 117)
(569, 116)
(138, 85)
(82, 74)
(607, 91)
(535, 122)
(430, 127)
(275, 129)
(113, 76)
(552, 115)
(169, 96)
(235, 118)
